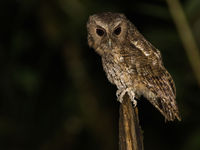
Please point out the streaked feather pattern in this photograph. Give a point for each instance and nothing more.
(132, 63)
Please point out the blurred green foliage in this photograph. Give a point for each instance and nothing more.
(54, 93)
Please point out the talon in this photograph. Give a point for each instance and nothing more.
(121, 92)
(132, 96)
(134, 102)
(118, 93)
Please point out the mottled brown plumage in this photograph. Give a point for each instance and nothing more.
(131, 62)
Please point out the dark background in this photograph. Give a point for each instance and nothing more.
(54, 94)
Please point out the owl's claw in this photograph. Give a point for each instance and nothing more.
(134, 102)
(121, 92)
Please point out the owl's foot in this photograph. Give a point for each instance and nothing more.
(132, 97)
(121, 92)
(134, 102)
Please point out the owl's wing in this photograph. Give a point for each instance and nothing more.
(160, 89)
(155, 83)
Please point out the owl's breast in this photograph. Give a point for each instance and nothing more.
(117, 71)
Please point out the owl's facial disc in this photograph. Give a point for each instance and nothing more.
(103, 34)
(107, 32)
(116, 32)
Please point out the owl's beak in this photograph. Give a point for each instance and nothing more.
(109, 43)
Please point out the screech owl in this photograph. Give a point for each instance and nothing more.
(132, 63)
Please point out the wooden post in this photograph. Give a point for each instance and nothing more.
(130, 133)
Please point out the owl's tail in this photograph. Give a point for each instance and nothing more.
(168, 108)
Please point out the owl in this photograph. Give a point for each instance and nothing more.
(132, 63)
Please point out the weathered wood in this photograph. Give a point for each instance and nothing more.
(130, 133)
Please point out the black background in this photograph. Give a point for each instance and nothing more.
(54, 94)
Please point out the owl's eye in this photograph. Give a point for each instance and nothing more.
(117, 31)
(100, 32)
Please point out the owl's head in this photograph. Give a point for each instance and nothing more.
(107, 31)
